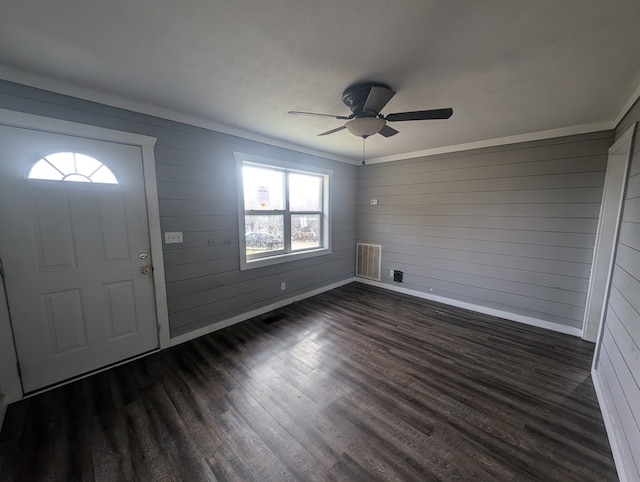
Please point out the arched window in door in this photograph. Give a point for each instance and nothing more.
(71, 166)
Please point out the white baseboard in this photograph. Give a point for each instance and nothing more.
(257, 312)
(610, 425)
(549, 325)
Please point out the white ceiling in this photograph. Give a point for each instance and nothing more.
(506, 67)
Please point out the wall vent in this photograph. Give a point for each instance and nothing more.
(368, 257)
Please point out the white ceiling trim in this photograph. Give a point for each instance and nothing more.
(40, 82)
(628, 105)
(57, 126)
(499, 141)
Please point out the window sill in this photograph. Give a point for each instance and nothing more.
(281, 258)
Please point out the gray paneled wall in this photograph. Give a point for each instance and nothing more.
(617, 367)
(197, 195)
(510, 228)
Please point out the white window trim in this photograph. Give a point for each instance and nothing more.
(246, 264)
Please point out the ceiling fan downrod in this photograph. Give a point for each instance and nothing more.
(363, 139)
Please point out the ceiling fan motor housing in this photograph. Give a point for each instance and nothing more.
(355, 96)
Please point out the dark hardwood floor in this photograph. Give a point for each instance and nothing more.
(354, 384)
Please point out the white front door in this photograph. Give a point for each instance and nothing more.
(72, 254)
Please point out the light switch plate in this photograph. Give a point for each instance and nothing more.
(172, 237)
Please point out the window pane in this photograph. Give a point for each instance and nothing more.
(86, 165)
(104, 175)
(305, 231)
(64, 161)
(305, 192)
(43, 170)
(263, 188)
(69, 166)
(264, 233)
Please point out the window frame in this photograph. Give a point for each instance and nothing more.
(287, 253)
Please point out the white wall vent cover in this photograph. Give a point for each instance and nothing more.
(368, 257)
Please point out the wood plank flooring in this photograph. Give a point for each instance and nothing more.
(355, 384)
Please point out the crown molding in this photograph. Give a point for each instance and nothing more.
(499, 141)
(59, 87)
(64, 88)
(627, 106)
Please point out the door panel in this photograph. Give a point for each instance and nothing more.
(66, 320)
(115, 233)
(53, 228)
(71, 251)
(121, 306)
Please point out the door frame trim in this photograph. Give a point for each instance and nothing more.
(605, 245)
(146, 145)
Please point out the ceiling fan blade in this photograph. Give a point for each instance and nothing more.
(332, 131)
(377, 99)
(388, 131)
(340, 117)
(420, 115)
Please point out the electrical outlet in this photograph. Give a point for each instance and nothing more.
(374, 202)
(283, 286)
(397, 276)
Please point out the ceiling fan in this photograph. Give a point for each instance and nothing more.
(366, 100)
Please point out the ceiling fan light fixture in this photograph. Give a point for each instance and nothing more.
(365, 126)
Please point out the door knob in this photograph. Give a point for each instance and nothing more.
(145, 269)
(143, 255)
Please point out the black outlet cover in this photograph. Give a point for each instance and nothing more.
(397, 276)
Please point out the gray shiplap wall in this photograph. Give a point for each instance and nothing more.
(509, 228)
(197, 195)
(617, 368)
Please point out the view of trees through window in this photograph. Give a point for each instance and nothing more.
(283, 210)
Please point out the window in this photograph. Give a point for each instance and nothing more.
(284, 211)
(71, 166)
